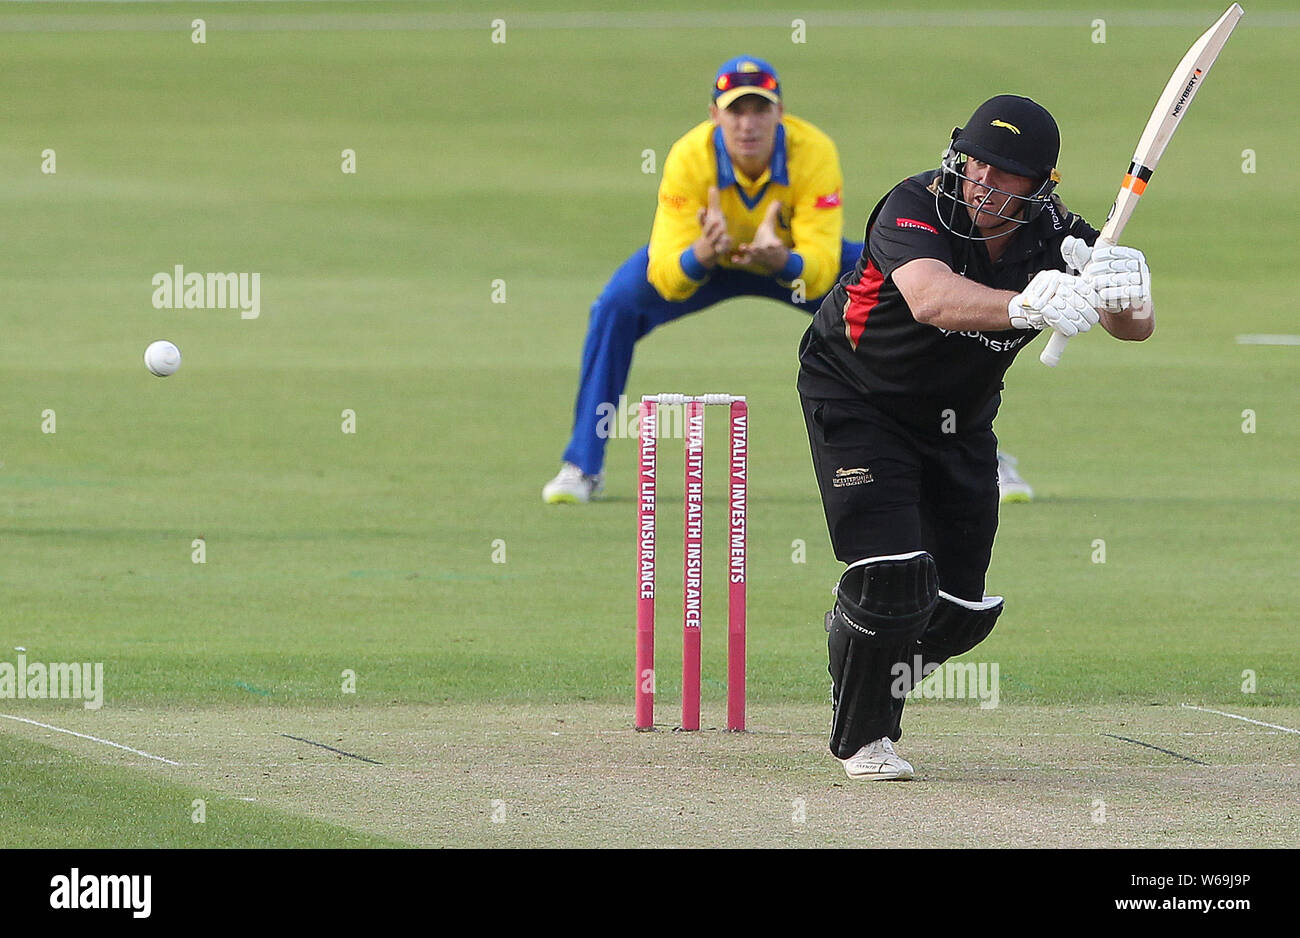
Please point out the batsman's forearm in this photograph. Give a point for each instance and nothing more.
(946, 300)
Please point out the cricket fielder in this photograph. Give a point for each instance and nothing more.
(749, 205)
(901, 376)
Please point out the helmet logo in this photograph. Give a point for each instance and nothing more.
(1011, 127)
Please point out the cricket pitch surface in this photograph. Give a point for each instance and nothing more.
(1160, 775)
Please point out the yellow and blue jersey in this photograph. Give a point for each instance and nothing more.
(803, 175)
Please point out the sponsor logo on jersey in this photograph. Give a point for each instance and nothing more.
(913, 223)
(845, 477)
(992, 344)
(672, 201)
(1011, 127)
(828, 201)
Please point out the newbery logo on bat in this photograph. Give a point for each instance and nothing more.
(1187, 92)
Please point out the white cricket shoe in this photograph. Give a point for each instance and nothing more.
(1011, 488)
(571, 486)
(879, 761)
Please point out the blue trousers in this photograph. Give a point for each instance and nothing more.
(629, 308)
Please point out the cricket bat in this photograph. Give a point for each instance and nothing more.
(1164, 120)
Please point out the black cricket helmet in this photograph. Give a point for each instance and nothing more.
(1014, 134)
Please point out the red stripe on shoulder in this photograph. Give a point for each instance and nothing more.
(913, 223)
(864, 296)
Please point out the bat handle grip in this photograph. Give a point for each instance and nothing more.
(1051, 356)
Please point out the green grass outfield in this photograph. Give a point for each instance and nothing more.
(521, 161)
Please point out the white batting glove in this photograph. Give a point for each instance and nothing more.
(1119, 275)
(1121, 278)
(1076, 253)
(1057, 300)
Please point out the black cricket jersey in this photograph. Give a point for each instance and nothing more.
(864, 341)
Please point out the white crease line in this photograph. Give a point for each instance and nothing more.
(106, 742)
(1265, 339)
(1273, 726)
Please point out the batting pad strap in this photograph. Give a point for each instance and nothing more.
(868, 561)
(957, 626)
(988, 603)
(887, 599)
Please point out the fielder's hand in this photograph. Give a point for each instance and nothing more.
(1119, 275)
(766, 251)
(1056, 300)
(714, 241)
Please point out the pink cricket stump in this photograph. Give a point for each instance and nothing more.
(693, 565)
(693, 556)
(645, 569)
(736, 566)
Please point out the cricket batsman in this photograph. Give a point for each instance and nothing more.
(901, 376)
(749, 205)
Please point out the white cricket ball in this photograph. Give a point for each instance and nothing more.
(162, 358)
